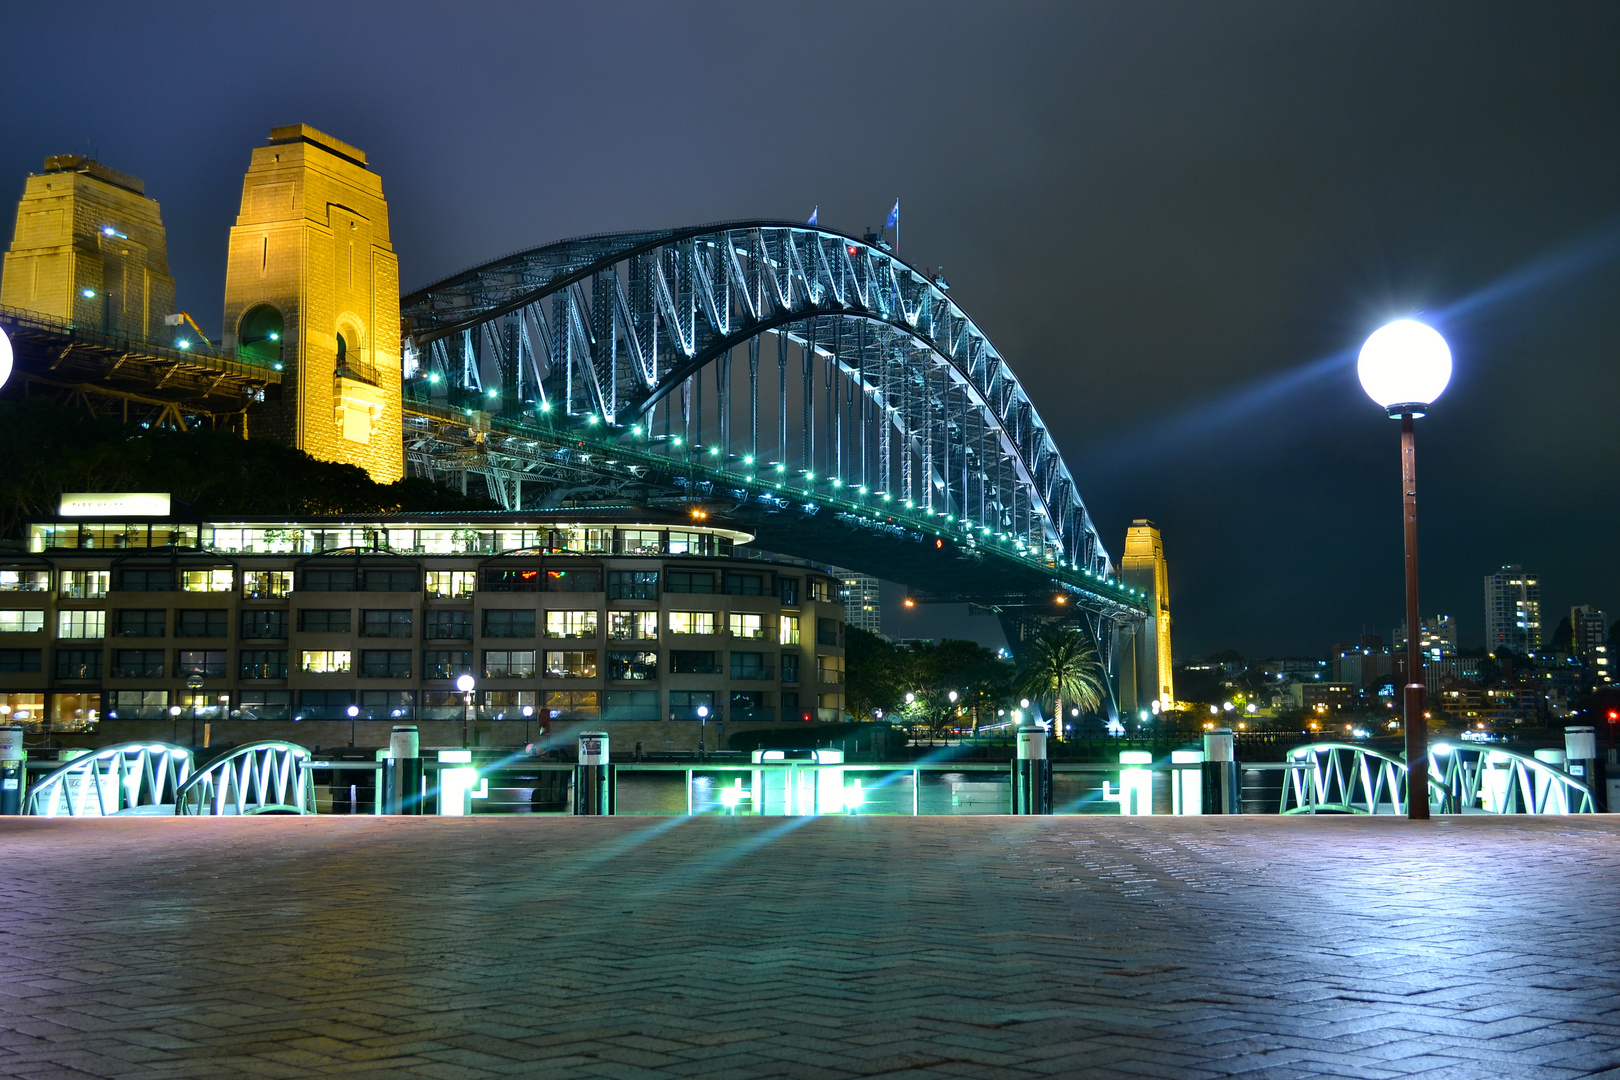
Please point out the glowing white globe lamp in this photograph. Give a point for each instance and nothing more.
(5, 357)
(465, 684)
(1404, 366)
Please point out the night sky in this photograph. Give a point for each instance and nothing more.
(1171, 219)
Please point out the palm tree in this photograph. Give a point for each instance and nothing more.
(1062, 665)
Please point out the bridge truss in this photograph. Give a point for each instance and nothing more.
(761, 364)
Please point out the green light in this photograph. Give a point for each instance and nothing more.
(885, 497)
(748, 459)
(809, 476)
(182, 344)
(545, 406)
(591, 419)
(781, 468)
(636, 430)
(434, 377)
(88, 294)
(278, 367)
(714, 451)
(676, 441)
(274, 336)
(491, 392)
(862, 489)
(838, 483)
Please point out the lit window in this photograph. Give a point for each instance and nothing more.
(25, 580)
(509, 664)
(81, 624)
(85, 584)
(450, 584)
(691, 622)
(21, 622)
(633, 625)
(326, 661)
(207, 580)
(266, 584)
(571, 624)
(571, 664)
(749, 626)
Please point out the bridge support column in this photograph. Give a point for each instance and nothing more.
(1220, 773)
(593, 781)
(1032, 772)
(1581, 760)
(13, 770)
(402, 772)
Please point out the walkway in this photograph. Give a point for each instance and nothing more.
(826, 948)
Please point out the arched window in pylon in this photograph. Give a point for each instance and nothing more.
(258, 336)
(351, 351)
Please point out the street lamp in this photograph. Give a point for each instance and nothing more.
(1403, 367)
(354, 711)
(703, 727)
(194, 684)
(465, 684)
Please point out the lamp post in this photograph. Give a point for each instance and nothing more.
(703, 727)
(354, 712)
(465, 684)
(194, 684)
(1403, 367)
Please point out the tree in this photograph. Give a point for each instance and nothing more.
(1062, 665)
(878, 676)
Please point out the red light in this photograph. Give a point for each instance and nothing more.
(939, 543)
(1613, 715)
(853, 250)
(527, 574)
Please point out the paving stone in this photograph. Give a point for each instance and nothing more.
(1263, 948)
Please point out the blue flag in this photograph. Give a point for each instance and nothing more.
(813, 215)
(894, 216)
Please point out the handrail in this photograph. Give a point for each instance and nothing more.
(259, 778)
(1349, 779)
(130, 778)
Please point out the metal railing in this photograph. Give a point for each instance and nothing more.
(1343, 778)
(259, 778)
(131, 778)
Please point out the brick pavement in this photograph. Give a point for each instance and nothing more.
(834, 947)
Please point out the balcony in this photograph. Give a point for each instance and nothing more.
(753, 674)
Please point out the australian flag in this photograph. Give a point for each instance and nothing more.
(894, 216)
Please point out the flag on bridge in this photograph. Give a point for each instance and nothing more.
(813, 215)
(894, 216)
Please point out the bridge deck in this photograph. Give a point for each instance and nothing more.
(809, 948)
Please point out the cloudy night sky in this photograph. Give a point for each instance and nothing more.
(1177, 221)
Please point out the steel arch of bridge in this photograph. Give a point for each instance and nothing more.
(898, 394)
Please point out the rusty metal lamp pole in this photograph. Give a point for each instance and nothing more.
(1403, 367)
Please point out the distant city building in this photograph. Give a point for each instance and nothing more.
(1364, 666)
(1513, 611)
(1589, 640)
(1437, 638)
(862, 608)
(1144, 651)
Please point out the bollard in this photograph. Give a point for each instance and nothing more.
(1220, 773)
(402, 772)
(1032, 772)
(1581, 762)
(13, 770)
(593, 786)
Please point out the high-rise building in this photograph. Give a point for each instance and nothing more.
(90, 249)
(1145, 661)
(1437, 639)
(312, 286)
(862, 609)
(1513, 611)
(1589, 640)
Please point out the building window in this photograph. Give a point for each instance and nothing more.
(685, 705)
(790, 667)
(264, 624)
(138, 664)
(509, 664)
(688, 581)
(632, 666)
(78, 663)
(266, 584)
(328, 581)
(265, 704)
(450, 584)
(28, 622)
(830, 670)
(745, 585)
(821, 589)
(207, 663)
(788, 629)
(691, 622)
(446, 663)
(324, 620)
(388, 622)
(325, 704)
(790, 706)
(633, 625)
(508, 704)
(747, 626)
(692, 662)
(144, 581)
(137, 705)
(571, 624)
(513, 580)
(26, 581)
(787, 589)
(827, 632)
(81, 624)
(453, 624)
(573, 580)
(86, 584)
(326, 661)
(396, 580)
(573, 705)
(693, 543)
(748, 705)
(632, 584)
(264, 663)
(385, 663)
(630, 705)
(571, 664)
(200, 622)
(20, 659)
(751, 666)
(641, 542)
(141, 623)
(207, 580)
(387, 704)
(500, 622)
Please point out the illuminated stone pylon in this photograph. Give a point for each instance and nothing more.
(312, 284)
(1144, 653)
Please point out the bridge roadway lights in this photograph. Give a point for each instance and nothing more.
(1581, 762)
(13, 769)
(593, 787)
(402, 772)
(1032, 772)
(1220, 774)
